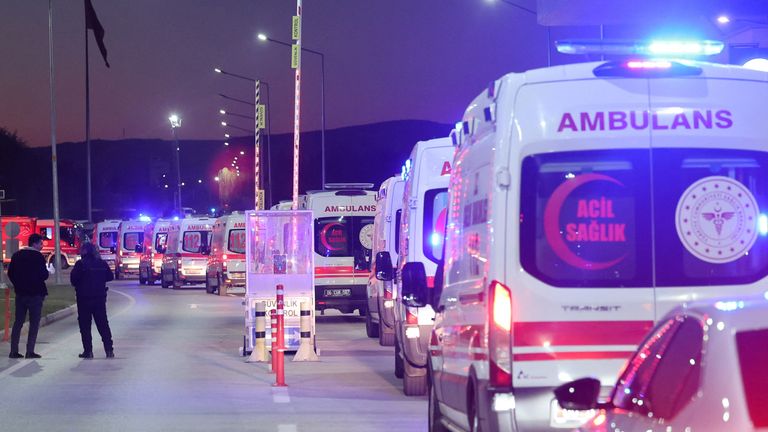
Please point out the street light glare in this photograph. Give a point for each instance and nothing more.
(222, 112)
(223, 123)
(262, 36)
(175, 120)
(226, 135)
(226, 143)
(217, 70)
(216, 178)
(242, 152)
(723, 19)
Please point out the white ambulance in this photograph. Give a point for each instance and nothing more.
(379, 322)
(586, 201)
(226, 255)
(343, 241)
(105, 239)
(129, 236)
(422, 231)
(184, 261)
(155, 245)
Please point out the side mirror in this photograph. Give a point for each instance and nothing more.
(112, 250)
(139, 248)
(414, 285)
(579, 395)
(383, 266)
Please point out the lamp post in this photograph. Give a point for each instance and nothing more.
(265, 38)
(256, 84)
(175, 124)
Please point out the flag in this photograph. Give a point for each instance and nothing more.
(92, 22)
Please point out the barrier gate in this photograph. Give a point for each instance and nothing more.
(280, 251)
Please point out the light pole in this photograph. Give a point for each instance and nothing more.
(255, 105)
(265, 38)
(175, 124)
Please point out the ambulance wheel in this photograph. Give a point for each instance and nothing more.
(398, 361)
(63, 263)
(176, 284)
(476, 424)
(210, 289)
(117, 274)
(163, 282)
(434, 415)
(371, 328)
(385, 338)
(142, 279)
(414, 385)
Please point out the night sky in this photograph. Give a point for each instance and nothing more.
(384, 60)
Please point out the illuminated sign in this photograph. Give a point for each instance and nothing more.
(350, 209)
(446, 169)
(666, 119)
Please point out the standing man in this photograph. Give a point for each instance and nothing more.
(27, 272)
(90, 277)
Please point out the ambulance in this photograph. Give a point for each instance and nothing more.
(379, 322)
(226, 255)
(130, 241)
(343, 218)
(586, 201)
(105, 240)
(422, 231)
(184, 261)
(155, 244)
(69, 242)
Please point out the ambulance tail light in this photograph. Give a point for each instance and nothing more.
(500, 335)
(411, 318)
(224, 257)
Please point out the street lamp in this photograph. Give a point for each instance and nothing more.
(263, 37)
(229, 113)
(175, 124)
(229, 125)
(269, 117)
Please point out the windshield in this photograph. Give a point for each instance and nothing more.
(236, 242)
(435, 214)
(597, 218)
(107, 239)
(345, 236)
(194, 240)
(753, 356)
(131, 239)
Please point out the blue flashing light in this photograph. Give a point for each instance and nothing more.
(762, 224)
(175, 218)
(657, 48)
(435, 239)
(729, 306)
(145, 218)
(213, 209)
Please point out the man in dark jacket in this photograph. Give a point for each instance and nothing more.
(28, 273)
(89, 277)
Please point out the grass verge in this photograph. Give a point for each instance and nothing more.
(59, 297)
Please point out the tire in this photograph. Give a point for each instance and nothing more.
(117, 274)
(434, 416)
(163, 283)
(142, 280)
(371, 328)
(63, 263)
(176, 284)
(414, 385)
(363, 311)
(475, 424)
(210, 289)
(386, 339)
(398, 361)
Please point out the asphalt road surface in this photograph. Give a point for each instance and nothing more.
(177, 368)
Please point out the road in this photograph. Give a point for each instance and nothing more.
(177, 368)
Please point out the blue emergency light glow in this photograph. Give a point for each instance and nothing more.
(213, 210)
(762, 224)
(175, 218)
(656, 48)
(435, 239)
(145, 218)
(649, 64)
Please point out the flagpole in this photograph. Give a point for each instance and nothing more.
(88, 128)
(56, 232)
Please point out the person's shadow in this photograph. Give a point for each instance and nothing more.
(29, 370)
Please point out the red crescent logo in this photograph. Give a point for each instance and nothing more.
(552, 223)
(324, 235)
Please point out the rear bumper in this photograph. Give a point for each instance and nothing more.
(356, 300)
(415, 348)
(235, 278)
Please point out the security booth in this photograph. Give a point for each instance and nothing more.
(279, 251)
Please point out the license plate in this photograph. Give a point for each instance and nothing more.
(338, 292)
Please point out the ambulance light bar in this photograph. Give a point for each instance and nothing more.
(349, 186)
(644, 68)
(657, 48)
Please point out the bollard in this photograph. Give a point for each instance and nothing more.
(7, 289)
(259, 353)
(306, 351)
(273, 346)
(279, 351)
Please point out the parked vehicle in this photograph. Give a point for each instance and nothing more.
(226, 255)
(27, 226)
(586, 200)
(701, 368)
(69, 241)
(105, 239)
(380, 320)
(130, 241)
(343, 241)
(155, 244)
(184, 261)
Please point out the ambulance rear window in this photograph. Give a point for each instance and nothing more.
(107, 239)
(585, 218)
(193, 240)
(131, 239)
(161, 240)
(435, 214)
(236, 241)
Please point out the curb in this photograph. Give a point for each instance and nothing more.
(51, 318)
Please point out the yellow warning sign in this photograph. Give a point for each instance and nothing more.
(260, 203)
(260, 117)
(296, 27)
(295, 51)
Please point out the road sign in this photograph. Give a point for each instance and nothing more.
(260, 204)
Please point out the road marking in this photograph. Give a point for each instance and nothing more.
(280, 395)
(193, 306)
(287, 428)
(66, 341)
